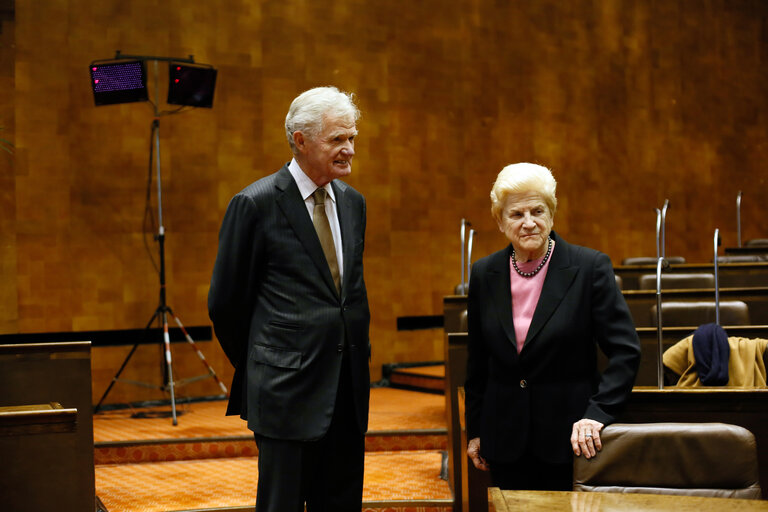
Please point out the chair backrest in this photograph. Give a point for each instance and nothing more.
(619, 281)
(676, 281)
(695, 459)
(695, 313)
(741, 258)
(650, 260)
(757, 242)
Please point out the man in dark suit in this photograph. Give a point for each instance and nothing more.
(290, 309)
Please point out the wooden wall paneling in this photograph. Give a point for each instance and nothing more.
(9, 312)
(629, 103)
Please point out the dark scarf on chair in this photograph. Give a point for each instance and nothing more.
(711, 351)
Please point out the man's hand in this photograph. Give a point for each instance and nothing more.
(585, 438)
(473, 451)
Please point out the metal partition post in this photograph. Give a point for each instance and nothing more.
(664, 228)
(469, 256)
(738, 219)
(658, 233)
(717, 282)
(660, 368)
(464, 263)
(463, 250)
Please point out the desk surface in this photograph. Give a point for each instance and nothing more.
(549, 501)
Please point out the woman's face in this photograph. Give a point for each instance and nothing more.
(526, 222)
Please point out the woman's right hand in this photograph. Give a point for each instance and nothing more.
(473, 451)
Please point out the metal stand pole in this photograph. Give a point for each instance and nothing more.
(163, 310)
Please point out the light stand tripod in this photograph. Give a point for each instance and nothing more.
(163, 310)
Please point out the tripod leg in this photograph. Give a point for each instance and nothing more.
(114, 379)
(199, 354)
(167, 343)
(122, 367)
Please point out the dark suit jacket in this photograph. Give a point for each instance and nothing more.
(277, 315)
(534, 397)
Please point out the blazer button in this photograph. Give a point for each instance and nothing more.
(339, 348)
(523, 384)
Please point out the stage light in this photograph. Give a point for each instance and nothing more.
(191, 85)
(118, 82)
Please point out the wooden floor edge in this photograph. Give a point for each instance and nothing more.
(182, 440)
(366, 504)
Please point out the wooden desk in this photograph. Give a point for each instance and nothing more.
(549, 501)
(37, 419)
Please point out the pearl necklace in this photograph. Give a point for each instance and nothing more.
(541, 265)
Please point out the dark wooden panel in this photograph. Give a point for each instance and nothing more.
(46, 467)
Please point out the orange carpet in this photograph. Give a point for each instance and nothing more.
(209, 461)
(391, 409)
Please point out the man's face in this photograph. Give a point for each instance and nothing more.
(328, 155)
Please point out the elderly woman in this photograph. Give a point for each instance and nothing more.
(537, 311)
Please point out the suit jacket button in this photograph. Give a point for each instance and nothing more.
(523, 384)
(339, 348)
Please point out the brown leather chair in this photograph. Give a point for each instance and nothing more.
(757, 242)
(677, 281)
(650, 260)
(693, 314)
(693, 459)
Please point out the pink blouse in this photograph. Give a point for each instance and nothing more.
(525, 295)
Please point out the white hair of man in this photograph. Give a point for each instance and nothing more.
(308, 110)
(522, 178)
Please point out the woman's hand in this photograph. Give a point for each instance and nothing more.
(585, 438)
(473, 451)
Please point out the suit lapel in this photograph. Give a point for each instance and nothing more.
(344, 211)
(560, 276)
(498, 282)
(295, 210)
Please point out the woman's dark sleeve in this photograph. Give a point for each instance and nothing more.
(477, 358)
(614, 332)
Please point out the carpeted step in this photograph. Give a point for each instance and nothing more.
(401, 481)
(429, 378)
(169, 450)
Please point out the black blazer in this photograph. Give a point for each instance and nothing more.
(534, 397)
(277, 315)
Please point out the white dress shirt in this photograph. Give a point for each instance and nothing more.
(307, 187)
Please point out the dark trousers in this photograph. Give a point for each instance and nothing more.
(326, 474)
(530, 473)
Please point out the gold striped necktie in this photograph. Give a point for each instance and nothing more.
(323, 228)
